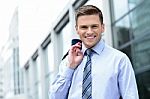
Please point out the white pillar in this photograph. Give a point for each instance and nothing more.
(25, 76)
(57, 49)
(43, 56)
(107, 22)
(32, 79)
(72, 22)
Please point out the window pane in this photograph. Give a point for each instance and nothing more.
(134, 3)
(120, 8)
(140, 19)
(121, 32)
(143, 82)
(141, 52)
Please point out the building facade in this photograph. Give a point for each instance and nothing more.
(130, 29)
(10, 72)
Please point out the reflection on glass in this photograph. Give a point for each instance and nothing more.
(134, 3)
(140, 19)
(141, 52)
(121, 32)
(143, 82)
(127, 50)
(132, 36)
(120, 8)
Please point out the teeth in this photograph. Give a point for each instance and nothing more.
(90, 36)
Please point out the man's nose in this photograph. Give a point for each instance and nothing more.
(89, 30)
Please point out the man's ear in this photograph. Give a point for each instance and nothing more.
(103, 27)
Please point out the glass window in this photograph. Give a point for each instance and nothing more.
(134, 3)
(127, 50)
(132, 36)
(120, 8)
(140, 19)
(141, 52)
(121, 32)
(143, 82)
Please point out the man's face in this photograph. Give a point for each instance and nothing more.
(89, 29)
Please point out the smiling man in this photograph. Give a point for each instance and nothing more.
(98, 71)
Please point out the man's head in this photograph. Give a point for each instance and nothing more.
(89, 25)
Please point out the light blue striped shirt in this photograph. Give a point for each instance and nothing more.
(112, 76)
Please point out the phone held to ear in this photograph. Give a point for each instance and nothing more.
(73, 42)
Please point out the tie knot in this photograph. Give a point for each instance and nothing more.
(89, 52)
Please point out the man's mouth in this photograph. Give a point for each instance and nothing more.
(90, 37)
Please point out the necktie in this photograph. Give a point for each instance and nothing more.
(87, 80)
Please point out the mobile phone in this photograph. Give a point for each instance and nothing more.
(73, 42)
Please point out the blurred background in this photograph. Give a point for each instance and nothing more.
(35, 34)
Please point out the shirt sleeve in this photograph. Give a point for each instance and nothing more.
(127, 81)
(60, 87)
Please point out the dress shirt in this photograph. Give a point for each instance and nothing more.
(112, 76)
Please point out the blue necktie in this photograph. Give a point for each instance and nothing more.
(87, 79)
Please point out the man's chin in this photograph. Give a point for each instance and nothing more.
(89, 45)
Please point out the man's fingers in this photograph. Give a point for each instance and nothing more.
(75, 48)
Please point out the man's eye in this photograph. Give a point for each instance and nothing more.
(94, 26)
(84, 27)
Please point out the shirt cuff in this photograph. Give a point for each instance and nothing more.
(68, 72)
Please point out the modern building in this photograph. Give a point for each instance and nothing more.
(126, 28)
(10, 72)
(130, 29)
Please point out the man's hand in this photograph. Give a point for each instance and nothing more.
(75, 56)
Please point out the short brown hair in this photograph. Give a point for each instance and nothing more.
(88, 10)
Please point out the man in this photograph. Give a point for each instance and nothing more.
(98, 71)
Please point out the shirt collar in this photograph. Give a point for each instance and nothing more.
(98, 48)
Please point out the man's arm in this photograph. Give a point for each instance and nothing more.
(60, 87)
(127, 81)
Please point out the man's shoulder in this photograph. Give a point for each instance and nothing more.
(114, 51)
